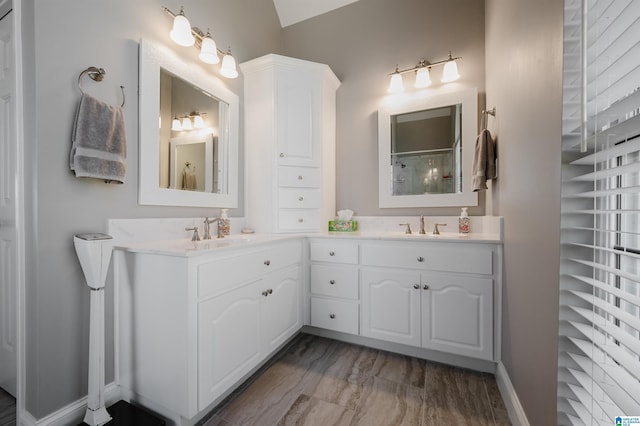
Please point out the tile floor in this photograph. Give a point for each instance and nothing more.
(318, 381)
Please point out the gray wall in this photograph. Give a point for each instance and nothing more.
(362, 43)
(524, 83)
(68, 37)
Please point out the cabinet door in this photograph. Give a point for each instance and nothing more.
(282, 312)
(457, 314)
(298, 111)
(391, 305)
(229, 345)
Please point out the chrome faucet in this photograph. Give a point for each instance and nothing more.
(436, 231)
(207, 232)
(422, 231)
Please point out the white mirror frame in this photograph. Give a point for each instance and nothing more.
(152, 58)
(469, 100)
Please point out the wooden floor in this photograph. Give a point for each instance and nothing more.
(7, 409)
(318, 381)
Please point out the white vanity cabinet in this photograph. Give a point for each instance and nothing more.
(190, 327)
(439, 296)
(334, 287)
(289, 115)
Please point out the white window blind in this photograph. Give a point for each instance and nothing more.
(599, 333)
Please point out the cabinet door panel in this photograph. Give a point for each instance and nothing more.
(282, 313)
(298, 106)
(391, 305)
(458, 315)
(229, 343)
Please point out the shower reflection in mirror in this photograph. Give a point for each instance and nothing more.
(426, 151)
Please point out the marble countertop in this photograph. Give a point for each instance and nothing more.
(188, 248)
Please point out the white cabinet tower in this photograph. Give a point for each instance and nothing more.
(290, 129)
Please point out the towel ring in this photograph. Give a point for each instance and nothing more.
(96, 74)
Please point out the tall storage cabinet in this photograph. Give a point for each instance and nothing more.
(289, 116)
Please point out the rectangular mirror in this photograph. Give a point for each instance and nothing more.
(188, 134)
(425, 151)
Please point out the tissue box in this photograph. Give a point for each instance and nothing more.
(343, 225)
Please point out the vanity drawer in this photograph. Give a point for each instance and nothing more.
(299, 177)
(298, 198)
(298, 220)
(334, 251)
(217, 276)
(335, 315)
(454, 258)
(335, 281)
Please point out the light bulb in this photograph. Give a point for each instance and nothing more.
(228, 67)
(209, 50)
(450, 72)
(198, 122)
(186, 124)
(175, 125)
(422, 78)
(181, 32)
(396, 85)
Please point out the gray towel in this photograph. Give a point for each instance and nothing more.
(484, 161)
(99, 144)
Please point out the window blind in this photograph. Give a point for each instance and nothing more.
(599, 328)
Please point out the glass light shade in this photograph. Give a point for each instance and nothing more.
(209, 51)
(422, 78)
(186, 124)
(181, 32)
(396, 85)
(450, 72)
(175, 125)
(198, 122)
(228, 67)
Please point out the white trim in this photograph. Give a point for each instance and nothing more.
(510, 398)
(72, 413)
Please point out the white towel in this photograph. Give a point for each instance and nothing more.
(484, 161)
(99, 144)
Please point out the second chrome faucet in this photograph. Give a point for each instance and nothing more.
(219, 230)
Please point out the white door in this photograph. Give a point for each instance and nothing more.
(282, 313)
(229, 345)
(458, 314)
(8, 229)
(391, 305)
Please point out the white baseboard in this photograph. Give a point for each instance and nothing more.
(72, 413)
(510, 398)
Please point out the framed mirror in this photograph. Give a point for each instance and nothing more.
(425, 151)
(189, 125)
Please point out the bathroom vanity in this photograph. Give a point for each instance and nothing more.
(195, 319)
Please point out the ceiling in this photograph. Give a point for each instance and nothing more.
(293, 11)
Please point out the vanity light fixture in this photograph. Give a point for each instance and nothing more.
(189, 121)
(422, 71)
(186, 35)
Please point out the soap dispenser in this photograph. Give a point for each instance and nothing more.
(464, 221)
(225, 222)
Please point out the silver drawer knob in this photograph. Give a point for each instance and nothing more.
(267, 262)
(332, 316)
(416, 286)
(282, 155)
(300, 220)
(300, 198)
(300, 177)
(421, 259)
(331, 253)
(426, 287)
(265, 293)
(332, 282)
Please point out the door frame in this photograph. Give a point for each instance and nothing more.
(20, 216)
